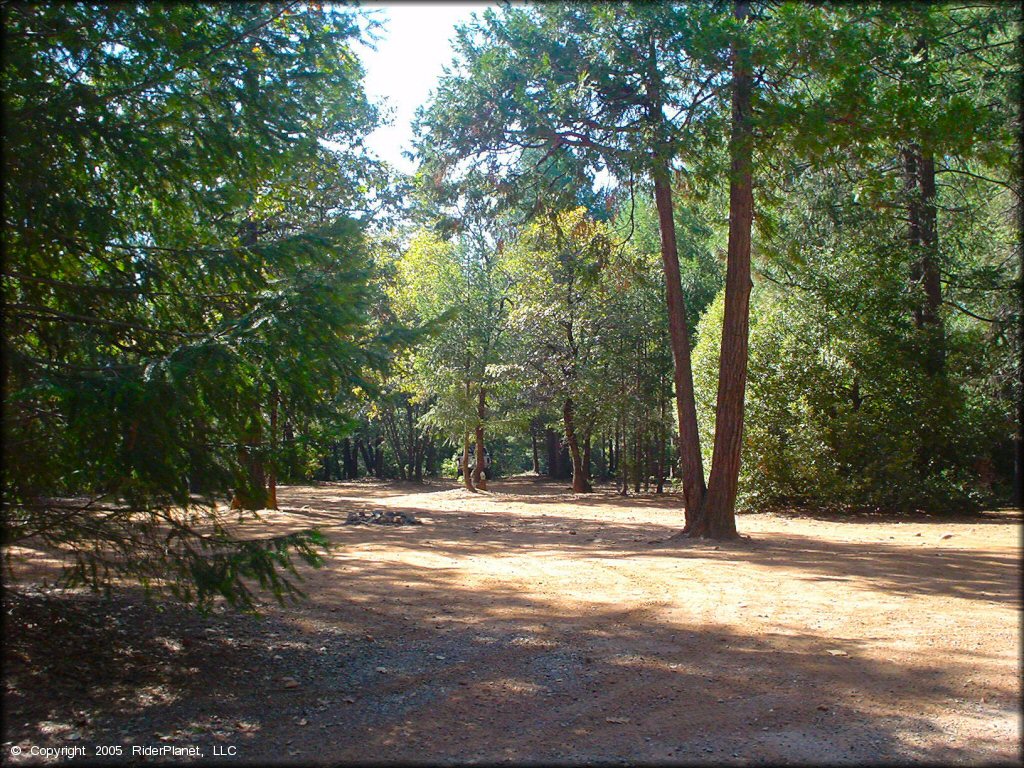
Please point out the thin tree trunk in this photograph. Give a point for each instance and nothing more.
(637, 481)
(931, 321)
(533, 444)
(686, 407)
(366, 451)
(1018, 438)
(717, 518)
(661, 447)
(551, 445)
(431, 459)
(580, 484)
(689, 438)
(467, 476)
(272, 469)
(586, 460)
(479, 476)
(251, 493)
(349, 460)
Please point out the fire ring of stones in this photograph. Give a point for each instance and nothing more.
(380, 517)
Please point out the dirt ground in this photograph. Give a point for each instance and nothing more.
(527, 625)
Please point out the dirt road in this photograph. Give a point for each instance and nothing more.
(528, 625)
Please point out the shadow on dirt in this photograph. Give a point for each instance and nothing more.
(928, 568)
(390, 661)
(446, 679)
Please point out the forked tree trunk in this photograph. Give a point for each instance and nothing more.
(479, 477)
(580, 484)
(717, 517)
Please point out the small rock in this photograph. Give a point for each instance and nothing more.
(836, 652)
(948, 536)
(290, 682)
(349, 700)
(822, 708)
(303, 721)
(382, 670)
(618, 720)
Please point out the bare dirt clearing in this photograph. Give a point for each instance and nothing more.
(529, 625)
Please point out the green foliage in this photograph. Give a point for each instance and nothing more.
(841, 407)
(180, 264)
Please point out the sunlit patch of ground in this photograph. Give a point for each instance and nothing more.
(527, 624)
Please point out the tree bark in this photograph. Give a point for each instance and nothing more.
(479, 476)
(272, 469)
(349, 460)
(467, 476)
(533, 444)
(686, 408)
(378, 457)
(586, 460)
(579, 480)
(1018, 438)
(431, 459)
(717, 517)
(251, 492)
(922, 235)
(366, 451)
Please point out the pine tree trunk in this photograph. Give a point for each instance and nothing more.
(930, 320)
(579, 480)
(479, 476)
(686, 408)
(533, 444)
(717, 517)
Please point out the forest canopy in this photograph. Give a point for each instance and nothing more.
(757, 254)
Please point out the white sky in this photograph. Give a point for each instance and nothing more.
(413, 48)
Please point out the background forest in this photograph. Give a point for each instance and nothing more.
(211, 287)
